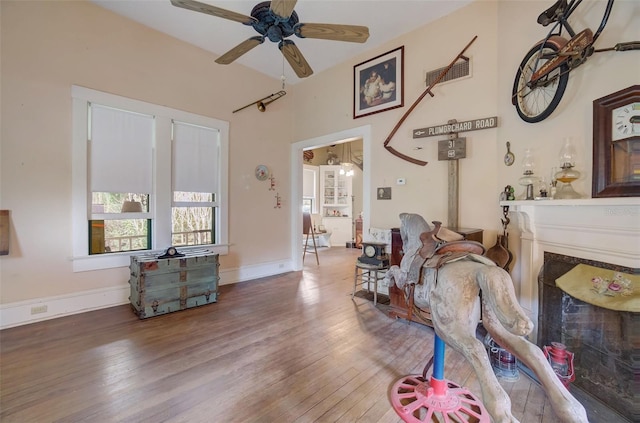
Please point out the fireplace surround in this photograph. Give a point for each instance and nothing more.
(605, 342)
(550, 237)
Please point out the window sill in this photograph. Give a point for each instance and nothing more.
(114, 260)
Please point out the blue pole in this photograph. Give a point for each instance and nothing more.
(438, 358)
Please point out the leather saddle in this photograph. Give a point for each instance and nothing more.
(551, 14)
(441, 246)
(441, 241)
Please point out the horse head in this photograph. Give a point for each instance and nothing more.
(411, 226)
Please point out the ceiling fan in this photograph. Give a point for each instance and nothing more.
(276, 20)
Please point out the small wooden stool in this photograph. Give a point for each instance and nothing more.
(369, 274)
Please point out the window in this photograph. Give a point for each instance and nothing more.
(307, 205)
(117, 222)
(195, 159)
(120, 144)
(144, 177)
(309, 189)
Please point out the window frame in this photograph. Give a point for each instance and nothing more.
(315, 208)
(161, 200)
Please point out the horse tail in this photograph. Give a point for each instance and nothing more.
(498, 295)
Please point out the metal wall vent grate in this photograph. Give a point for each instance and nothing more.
(460, 69)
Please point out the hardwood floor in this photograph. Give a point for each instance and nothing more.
(289, 348)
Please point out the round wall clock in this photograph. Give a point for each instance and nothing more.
(262, 173)
(616, 144)
(625, 121)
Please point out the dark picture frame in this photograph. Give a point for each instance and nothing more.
(616, 155)
(378, 84)
(384, 193)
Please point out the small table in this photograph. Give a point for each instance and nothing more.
(368, 273)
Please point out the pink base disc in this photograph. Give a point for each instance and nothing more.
(417, 401)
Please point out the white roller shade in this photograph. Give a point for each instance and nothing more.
(308, 183)
(195, 152)
(121, 148)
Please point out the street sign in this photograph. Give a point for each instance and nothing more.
(454, 127)
(452, 149)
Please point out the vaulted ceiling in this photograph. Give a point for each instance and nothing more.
(386, 20)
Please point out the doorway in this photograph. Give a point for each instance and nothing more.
(297, 149)
(332, 191)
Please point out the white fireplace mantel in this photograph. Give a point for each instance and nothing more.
(600, 229)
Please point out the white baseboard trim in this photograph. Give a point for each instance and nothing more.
(39, 309)
(46, 308)
(254, 271)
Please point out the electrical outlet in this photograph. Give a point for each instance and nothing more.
(39, 309)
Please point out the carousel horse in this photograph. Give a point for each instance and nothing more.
(448, 282)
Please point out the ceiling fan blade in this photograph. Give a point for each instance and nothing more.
(239, 50)
(295, 58)
(283, 8)
(215, 11)
(336, 32)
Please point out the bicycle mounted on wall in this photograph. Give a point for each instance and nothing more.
(543, 74)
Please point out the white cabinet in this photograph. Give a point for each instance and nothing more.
(335, 192)
(336, 204)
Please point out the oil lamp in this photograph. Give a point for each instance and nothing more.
(528, 179)
(567, 173)
(561, 362)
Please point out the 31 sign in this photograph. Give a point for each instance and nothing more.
(452, 149)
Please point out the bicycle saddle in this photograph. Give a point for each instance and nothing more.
(552, 13)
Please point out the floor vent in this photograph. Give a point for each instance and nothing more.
(460, 69)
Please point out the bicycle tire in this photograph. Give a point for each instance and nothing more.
(534, 104)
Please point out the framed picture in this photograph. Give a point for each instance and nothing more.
(378, 84)
(616, 144)
(384, 193)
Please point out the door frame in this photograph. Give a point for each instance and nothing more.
(297, 148)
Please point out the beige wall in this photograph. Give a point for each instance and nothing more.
(426, 189)
(506, 30)
(48, 46)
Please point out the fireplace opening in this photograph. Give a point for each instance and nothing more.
(605, 342)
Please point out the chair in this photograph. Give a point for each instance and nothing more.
(368, 274)
(307, 229)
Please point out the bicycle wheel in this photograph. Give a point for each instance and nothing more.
(536, 101)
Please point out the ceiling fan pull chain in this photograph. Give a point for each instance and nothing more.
(283, 77)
